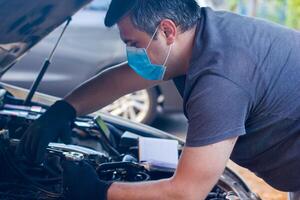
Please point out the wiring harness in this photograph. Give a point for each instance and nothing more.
(21, 180)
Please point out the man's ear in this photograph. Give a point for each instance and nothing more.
(169, 30)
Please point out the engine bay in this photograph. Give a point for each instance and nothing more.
(112, 151)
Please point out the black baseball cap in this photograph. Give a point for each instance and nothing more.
(117, 10)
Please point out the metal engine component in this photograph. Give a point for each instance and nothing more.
(20, 179)
(4, 134)
(123, 171)
(74, 156)
(77, 153)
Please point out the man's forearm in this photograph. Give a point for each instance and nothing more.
(104, 88)
(94, 94)
(158, 190)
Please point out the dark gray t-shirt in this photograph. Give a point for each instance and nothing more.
(244, 80)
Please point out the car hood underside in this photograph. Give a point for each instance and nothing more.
(25, 23)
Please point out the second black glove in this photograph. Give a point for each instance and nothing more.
(81, 182)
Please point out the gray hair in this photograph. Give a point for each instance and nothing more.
(147, 14)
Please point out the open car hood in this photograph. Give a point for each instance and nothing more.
(25, 23)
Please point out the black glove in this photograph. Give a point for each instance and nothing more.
(53, 124)
(81, 182)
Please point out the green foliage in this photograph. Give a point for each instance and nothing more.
(293, 14)
(274, 10)
(286, 12)
(233, 5)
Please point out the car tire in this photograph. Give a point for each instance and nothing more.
(140, 106)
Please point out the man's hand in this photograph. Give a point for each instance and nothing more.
(81, 182)
(53, 124)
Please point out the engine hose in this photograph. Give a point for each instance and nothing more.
(27, 178)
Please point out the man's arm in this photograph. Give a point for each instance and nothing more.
(106, 87)
(92, 95)
(198, 171)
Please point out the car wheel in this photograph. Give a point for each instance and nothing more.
(140, 106)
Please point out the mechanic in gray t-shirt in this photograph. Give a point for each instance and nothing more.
(244, 80)
(240, 81)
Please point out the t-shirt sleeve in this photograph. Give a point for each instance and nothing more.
(217, 109)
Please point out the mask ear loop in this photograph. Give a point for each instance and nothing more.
(168, 55)
(166, 60)
(152, 38)
(169, 52)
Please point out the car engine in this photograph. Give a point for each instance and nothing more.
(111, 150)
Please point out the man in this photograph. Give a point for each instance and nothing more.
(239, 78)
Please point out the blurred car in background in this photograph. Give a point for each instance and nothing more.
(87, 48)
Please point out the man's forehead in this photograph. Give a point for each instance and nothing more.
(125, 26)
(128, 31)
